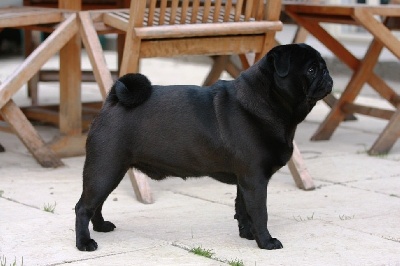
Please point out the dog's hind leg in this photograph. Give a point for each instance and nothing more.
(242, 217)
(98, 222)
(100, 179)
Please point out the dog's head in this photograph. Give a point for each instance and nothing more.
(300, 75)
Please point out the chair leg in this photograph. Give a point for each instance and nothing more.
(232, 69)
(299, 171)
(300, 36)
(141, 186)
(131, 56)
(29, 136)
(388, 136)
(219, 65)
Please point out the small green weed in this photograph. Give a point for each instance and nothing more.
(3, 261)
(382, 155)
(50, 207)
(236, 262)
(208, 253)
(1, 193)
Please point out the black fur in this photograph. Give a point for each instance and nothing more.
(131, 90)
(238, 132)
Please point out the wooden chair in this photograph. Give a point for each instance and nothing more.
(65, 27)
(310, 17)
(185, 27)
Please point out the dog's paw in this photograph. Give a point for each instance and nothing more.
(89, 245)
(104, 227)
(271, 243)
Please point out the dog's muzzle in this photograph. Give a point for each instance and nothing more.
(322, 88)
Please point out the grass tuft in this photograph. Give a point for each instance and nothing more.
(50, 207)
(3, 261)
(208, 253)
(236, 262)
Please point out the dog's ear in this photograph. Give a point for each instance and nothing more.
(281, 58)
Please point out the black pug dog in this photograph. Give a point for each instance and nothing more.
(238, 132)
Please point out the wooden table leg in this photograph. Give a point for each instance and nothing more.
(70, 112)
(95, 53)
(28, 135)
(70, 80)
(359, 78)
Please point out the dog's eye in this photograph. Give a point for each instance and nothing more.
(312, 70)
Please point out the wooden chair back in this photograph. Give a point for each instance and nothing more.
(180, 19)
(172, 12)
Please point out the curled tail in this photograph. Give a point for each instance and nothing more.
(130, 90)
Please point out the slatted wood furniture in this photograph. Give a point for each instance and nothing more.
(310, 17)
(29, 44)
(175, 28)
(65, 28)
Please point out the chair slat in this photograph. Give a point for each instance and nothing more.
(206, 11)
(228, 6)
(163, 7)
(173, 13)
(184, 8)
(195, 10)
(217, 10)
(238, 9)
(152, 7)
(248, 10)
(259, 11)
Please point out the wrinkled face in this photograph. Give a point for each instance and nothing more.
(301, 75)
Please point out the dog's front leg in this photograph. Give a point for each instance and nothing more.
(243, 218)
(254, 192)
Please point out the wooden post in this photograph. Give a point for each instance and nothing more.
(70, 79)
